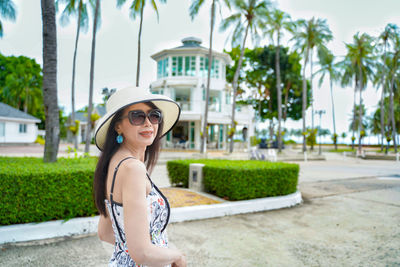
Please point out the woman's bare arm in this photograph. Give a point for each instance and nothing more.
(140, 248)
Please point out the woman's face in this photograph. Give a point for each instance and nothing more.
(137, 135)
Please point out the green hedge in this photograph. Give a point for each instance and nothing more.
(239, 179)
(33, 191)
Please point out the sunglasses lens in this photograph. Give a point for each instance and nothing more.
(155, 116)
(138, 117)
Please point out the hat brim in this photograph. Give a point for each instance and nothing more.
(170, 109)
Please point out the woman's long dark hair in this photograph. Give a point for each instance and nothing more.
(109, 150)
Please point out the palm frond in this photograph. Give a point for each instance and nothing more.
(226, 23)
(8, 10)
(195, 7)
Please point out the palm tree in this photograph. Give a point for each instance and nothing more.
(384, 37)
(360, 53)
(96, 16)
(393, 74)
(348, 75)
(137, 8)
(194, 10)
(74, 8)
(50, 80)
(313, 33)
(245, 20)
(7, 11)
(328, 66)
(277, 21)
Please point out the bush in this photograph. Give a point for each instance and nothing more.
(39, 140)
(239, 179)
(254, 141)
(289, 142)
(33, 191)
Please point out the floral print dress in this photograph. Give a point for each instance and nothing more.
(158, 212)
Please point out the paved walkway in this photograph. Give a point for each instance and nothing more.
(350, 217)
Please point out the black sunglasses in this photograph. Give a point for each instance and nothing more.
(138, 117)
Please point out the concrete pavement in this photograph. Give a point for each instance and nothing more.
(349, 218)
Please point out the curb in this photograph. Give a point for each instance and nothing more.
(88, 225)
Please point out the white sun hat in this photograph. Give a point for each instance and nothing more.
(133, 95)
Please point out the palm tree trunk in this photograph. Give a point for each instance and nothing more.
(279, 93)
(89, 122)
(354, 114)
(284, 108)
(78, 28)
(382, 102)
(304, 106)
(50, 81)
(360, 126)
(382, 116)
(333, 113)
(392, 107)
(235, 84)
(204, 139)
(312, 96)
(139, 41)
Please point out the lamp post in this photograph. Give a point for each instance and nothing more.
(319, 112)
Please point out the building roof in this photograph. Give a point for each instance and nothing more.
(191, 45)
(10, 112)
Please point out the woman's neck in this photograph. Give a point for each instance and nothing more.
(137, 152)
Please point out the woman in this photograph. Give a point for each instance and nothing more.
(133, 211)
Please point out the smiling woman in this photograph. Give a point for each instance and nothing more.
(133, 211)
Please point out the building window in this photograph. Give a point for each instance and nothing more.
(180, 66)
(162, 68)
(2, 129)
(190, 66)
(157, 91)
(159, 69)
(214, 68)
(177, 66)
(228, 98)
(22, 128)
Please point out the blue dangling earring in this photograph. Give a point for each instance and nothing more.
(120, 139)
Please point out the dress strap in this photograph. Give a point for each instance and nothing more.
(115, 175)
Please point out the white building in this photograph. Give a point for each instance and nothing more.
(17, 126)
(182, 75)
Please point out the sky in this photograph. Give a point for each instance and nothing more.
(116, 45)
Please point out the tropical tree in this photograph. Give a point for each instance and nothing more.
(381, 71)
(360, 54)
(194, 10)
(74, 8)
(277, 22)
(21, 84)
(310, 34)
(355, 120)
(137, 9)
(329, 67)
(249, 12)
(7, 11)
(348, 75)
(96, 16)
(50, 80)
(393, 74)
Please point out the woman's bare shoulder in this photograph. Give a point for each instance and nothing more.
(130, 167)
(126, 162)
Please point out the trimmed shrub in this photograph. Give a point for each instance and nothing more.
(239, 179)
(34, 191)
